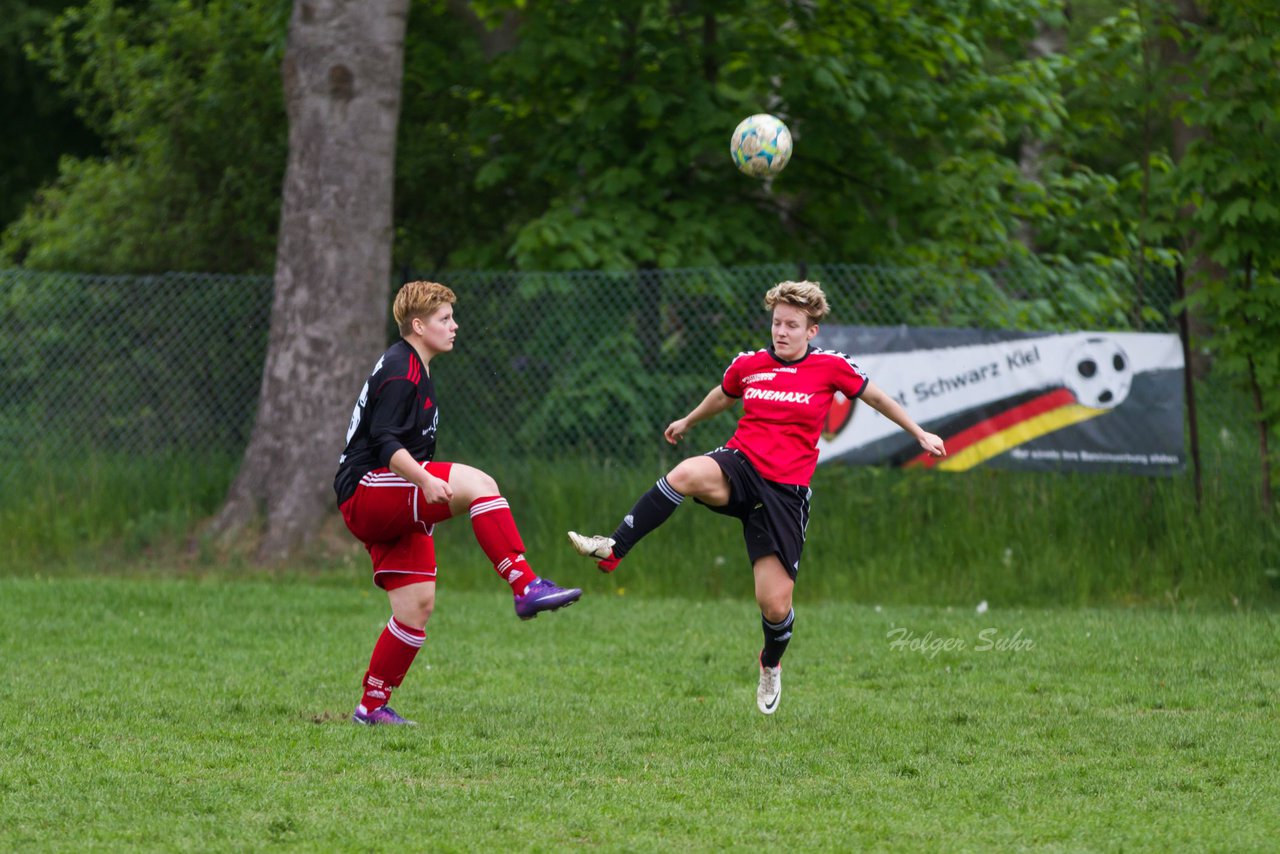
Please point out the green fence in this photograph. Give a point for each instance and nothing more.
(546, 363)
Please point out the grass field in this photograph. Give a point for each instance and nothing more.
(154, 714)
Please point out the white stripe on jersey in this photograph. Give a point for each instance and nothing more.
(840, 355)
(742, 354)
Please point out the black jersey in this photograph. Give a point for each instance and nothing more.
(396, 409)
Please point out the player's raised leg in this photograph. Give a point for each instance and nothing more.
(699, 477)
(495, 529)
(774, 589)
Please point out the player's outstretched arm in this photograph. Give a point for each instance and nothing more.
(714, 403)
(877, 399)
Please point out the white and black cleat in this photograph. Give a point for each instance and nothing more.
(770, 689)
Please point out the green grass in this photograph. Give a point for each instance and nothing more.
(98, 510)
(209, 715)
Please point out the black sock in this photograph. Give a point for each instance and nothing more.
(776, 638)
(653, 508)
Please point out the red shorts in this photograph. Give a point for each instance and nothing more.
(388, 515)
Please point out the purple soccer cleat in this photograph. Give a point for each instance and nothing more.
(380, 716)
(543, 595)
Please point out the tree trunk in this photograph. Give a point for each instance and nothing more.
(1260, 409)
(342, 74)
(1050, 39)
(1198, 266)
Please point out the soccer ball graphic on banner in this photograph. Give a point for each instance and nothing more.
(760, 145)
(1098, 372)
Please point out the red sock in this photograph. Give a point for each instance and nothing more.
(497, 534)
(392, 655)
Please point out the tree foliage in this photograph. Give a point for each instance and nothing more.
(1230, 178)
(617, 128)
(590, 141)
(185, 96)
(39, 122)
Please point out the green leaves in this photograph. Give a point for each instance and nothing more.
(186, 97)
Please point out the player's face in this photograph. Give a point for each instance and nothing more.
(791, 331)
(439, 329)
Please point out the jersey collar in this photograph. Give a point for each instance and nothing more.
(807, 350)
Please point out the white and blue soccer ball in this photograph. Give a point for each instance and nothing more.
(761, 145)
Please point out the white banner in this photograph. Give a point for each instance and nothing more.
(1078, 401)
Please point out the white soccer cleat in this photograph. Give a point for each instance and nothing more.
(596, 547)
(770, 689)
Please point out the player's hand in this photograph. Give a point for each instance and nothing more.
(676, 429)
(933, 444)
(437, 491)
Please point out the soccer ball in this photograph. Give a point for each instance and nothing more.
(761, 145)
(1098, 373)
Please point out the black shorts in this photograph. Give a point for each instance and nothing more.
(774, 515)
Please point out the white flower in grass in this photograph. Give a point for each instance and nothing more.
(982, 607)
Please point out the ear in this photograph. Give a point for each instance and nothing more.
(810, 332)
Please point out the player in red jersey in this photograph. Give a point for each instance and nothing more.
(392, 494)
(761, 475)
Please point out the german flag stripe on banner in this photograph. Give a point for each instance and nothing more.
(1021, 423)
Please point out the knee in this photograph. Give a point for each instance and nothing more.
(775, 609)
(417, 610)
(685, 478)
(480, 483)
(487, 485)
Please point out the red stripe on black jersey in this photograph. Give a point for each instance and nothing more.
(784, 405)
(396, 409)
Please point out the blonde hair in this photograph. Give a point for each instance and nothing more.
(419, 299)
(806, 296)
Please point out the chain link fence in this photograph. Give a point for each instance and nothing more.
(546, 363)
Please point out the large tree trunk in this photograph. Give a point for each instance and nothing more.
(1199, 267)
(342, 72)
(1050, 39)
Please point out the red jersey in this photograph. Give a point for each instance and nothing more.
(784, 405)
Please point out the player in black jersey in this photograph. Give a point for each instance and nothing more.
(392, 494)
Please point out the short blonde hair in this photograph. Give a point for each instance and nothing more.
(806, 296)
(419, 299)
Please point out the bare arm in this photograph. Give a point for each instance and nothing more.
(877, 399)
(714, 403)
(434, 490)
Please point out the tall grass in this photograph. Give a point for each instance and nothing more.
(880, 535)
(101, 510)
(875, 536)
